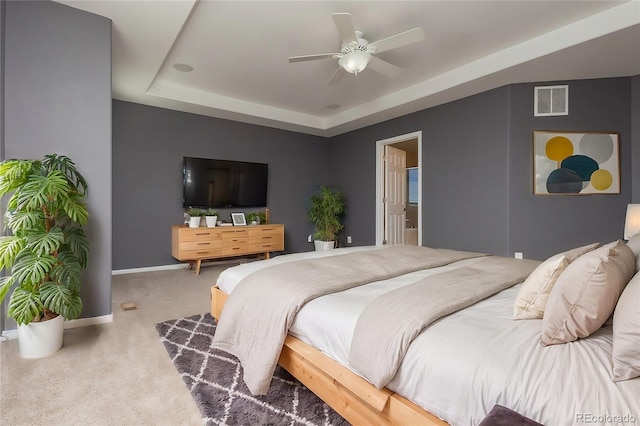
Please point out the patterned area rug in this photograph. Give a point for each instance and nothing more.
(214, 379)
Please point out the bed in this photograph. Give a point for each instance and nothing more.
(456, 369)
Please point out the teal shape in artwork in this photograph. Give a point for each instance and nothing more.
(564, 181)
(581, 165)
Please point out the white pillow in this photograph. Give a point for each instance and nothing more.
(532, 297)
(586, 293)
(626, 333)
(634, 245)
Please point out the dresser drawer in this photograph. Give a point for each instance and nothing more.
(233, 241)
(265, 230)
(235, 250)
(264, 239)
(200, 245)
(197, 234)
(199, 254)
(234, 233)
(266, 247)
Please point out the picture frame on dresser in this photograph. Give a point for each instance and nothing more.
(238, 219)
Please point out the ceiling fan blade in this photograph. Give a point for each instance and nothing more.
(345, 27)
(337, 76)
(398, 40)
(383, 67)
(312, 57)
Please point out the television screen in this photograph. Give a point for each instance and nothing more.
(223, 183)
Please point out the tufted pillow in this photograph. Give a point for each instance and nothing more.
(586, 293)
(626, 333)
(532, 297)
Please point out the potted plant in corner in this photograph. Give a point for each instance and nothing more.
(195, 215)
(211, 217)
(325, 213)
(47, 251)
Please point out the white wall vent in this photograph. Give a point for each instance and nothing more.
(551, 100)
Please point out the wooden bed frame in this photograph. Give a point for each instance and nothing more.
(355, 399)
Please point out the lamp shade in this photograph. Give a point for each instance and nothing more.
(632, 222)
(355, 61)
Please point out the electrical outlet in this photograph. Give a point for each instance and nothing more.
(518, 255)
(309, 238)
(349, 239)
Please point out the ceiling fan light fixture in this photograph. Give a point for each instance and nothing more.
(354, 62)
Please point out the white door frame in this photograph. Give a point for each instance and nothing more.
(380, 187)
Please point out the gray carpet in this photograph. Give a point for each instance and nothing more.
(214, 379)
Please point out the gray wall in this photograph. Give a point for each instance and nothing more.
(57, 99)
(477, 171)
(148, 146)
(542, 225)
(464, 159)
(635, 139)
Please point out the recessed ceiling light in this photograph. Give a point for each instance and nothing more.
(183, 67)
(333, 106)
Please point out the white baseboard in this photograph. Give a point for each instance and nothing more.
(149, 269)
(82, 322)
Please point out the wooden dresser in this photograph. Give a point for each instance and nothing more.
(197, 244)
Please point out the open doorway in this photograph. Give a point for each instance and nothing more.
(399, 171)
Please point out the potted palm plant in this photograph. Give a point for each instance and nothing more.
(47, 250)
(325, 212)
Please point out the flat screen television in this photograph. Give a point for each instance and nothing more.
(210, 183)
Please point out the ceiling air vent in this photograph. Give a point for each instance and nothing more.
(551, 100)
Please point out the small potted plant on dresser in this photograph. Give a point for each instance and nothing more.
(257, 218)
(325, 213)
(47, 251)
(211, 216)
(195, 216)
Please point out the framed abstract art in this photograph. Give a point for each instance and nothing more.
(576, 163)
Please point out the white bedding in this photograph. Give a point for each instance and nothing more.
(465, 363)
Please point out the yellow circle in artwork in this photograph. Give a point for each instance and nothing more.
(558, 148)
(601, 180)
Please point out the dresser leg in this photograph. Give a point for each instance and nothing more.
(198, 262)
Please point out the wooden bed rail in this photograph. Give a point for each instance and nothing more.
(355, 399)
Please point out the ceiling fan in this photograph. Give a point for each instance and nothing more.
(356, 53)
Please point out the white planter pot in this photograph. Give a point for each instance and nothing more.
(324, 245)
(40, 339)
(194, 222)
(211, 221)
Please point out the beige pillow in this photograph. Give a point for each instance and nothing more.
(626, 333)
(586, 293)
(532, 297)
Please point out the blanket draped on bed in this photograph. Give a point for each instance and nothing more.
(259, 312)
(390, 322)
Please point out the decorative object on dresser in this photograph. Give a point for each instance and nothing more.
(211, 216)
(238, 219)
(195, 216)
(325, 212)
(197, 244)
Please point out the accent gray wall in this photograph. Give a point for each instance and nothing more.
(464, 159)
(57, 99)
(477, 171)
(148, 146)
(540, 226)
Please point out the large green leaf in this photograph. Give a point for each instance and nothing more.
(68, 168)
(40, 190)
(20, 220)
(10, 247)
(75, 208)
(78, 244)
(42, 242)
(24, 305)
(5, 284)
(32, 269)
(67, 271)
(13, 173)
(61, 299)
